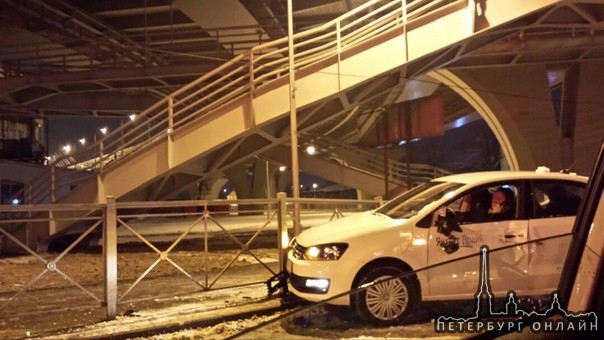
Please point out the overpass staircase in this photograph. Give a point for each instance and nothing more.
(241, 109)
(356, 167)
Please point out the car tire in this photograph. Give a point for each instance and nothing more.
(387, 303)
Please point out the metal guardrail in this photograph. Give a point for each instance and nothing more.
(161, 228)
(373, 163)
(242, 76)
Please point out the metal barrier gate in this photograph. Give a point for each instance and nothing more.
(160, 230)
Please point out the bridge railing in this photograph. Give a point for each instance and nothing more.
(373, 163)
(242, 76)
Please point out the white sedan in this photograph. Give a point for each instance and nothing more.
(445, 220)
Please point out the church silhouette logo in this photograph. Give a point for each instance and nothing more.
(512, 318)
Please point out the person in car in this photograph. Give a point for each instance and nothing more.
(502, 205)
(475, 207)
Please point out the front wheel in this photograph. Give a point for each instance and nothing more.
(389, 302)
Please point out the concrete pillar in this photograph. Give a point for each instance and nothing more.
(589, 122)
(283, 181)
(264, 183)
(241, 181)
(252, 183)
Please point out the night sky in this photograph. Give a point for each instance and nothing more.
(64, 130)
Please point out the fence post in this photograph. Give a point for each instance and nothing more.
(282, 237)
(110, 257)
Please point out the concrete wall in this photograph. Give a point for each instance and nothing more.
(589, 124)
(517, 104)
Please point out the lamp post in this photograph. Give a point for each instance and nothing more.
(293, 121)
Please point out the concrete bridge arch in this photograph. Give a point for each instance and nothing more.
(516, 102)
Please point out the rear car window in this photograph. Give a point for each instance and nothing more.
(556, 198)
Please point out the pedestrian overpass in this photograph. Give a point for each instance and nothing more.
(354, 66)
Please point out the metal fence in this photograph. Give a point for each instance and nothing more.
(161, 230)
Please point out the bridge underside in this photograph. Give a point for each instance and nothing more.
(515, 100)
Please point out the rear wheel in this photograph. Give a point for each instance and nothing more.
(388, 302)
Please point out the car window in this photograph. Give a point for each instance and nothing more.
(410, 203)
(556, 198)
(477, 205)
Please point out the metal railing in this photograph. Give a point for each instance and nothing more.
(161, 230)
(242, 76)
(45, 56)
(359, 159)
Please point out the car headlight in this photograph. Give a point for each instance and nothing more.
(325, 252)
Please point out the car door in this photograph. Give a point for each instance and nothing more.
(508, 267)
(555, 204)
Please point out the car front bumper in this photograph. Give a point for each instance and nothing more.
(320, 280)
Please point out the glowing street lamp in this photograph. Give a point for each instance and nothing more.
(311, 150)
(132, 117)
(103, 130)
(82, 141)
(67, 148)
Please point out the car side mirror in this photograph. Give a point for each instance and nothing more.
(447, 223)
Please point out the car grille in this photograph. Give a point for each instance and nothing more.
(298, 251)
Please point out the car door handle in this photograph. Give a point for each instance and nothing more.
(509, 236)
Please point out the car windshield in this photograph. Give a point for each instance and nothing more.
(411, 202)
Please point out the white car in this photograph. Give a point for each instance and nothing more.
(444, 220)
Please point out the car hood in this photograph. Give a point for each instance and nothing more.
(347, 228)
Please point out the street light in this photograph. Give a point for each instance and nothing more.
(82, 141)
(67, 148)
(311, 150)
(103, 130)
(132, 117)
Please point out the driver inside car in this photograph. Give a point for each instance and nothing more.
(474, 207)
(502, 205)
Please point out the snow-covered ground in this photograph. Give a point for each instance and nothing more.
(47, 309)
